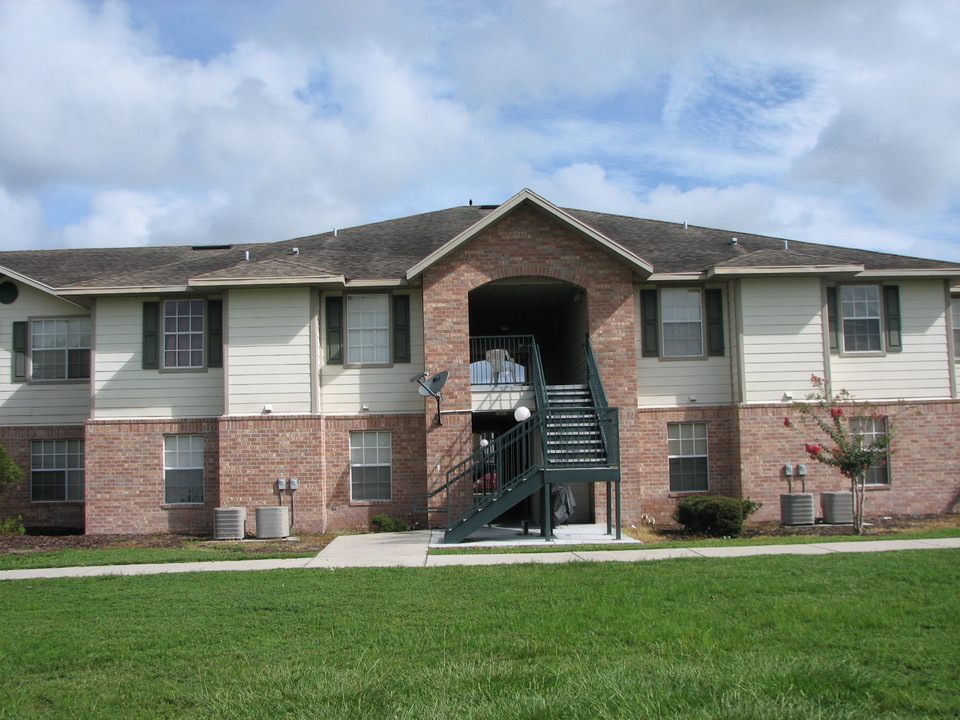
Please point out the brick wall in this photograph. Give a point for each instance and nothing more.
(16, 500)
(125, 482)
(526, 243)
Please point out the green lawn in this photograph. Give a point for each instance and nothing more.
(839, 636)
(136, 556)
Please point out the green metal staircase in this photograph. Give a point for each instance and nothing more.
(572, 437)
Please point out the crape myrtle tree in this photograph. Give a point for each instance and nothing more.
(10, 473)
(842, 420)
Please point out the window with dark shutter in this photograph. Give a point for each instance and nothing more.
(650, 332)
(401, 328)
(714, 303)
(20, 351)
(334, 314)
(214, 333)
(833, 322)
(891, 306)
(151, 336)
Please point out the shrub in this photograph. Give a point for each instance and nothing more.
(714, 515)
(12, 526)
(385, 523)
(10, 473)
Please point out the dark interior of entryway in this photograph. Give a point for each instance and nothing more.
(553, 311)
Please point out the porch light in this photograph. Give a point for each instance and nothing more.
(521, 413)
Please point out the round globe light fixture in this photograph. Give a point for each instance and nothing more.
(521, 413)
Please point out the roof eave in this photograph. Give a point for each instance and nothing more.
(37, 285)
(528, 196)
(266, 282)
(782, 271)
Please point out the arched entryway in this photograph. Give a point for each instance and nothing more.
(554, 313)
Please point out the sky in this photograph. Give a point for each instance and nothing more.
(165, 122)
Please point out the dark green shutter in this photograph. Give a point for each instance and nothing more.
(833, 320)
(20, 350)
(401, 328)
(648, 319)
(891, 307)
(714, 301)
(334, 312)
(215, 333)
(151, 336)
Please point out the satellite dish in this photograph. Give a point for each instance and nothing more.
(434, 385)
(432, 388)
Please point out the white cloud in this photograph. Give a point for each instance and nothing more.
(834, 119)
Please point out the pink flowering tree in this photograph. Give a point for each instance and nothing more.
(839, 418)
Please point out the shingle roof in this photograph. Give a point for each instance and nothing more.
(386, 250)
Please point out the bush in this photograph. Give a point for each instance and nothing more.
(12, 526)
(714, 515)
(10, 473)
(385, 523)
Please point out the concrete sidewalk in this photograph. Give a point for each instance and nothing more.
(410, 549)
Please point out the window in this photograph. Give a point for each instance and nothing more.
(955, 322)
(860, 313)
(377, 329)
(368, 330)
(864, 318)
(682, 326)
(56, 470)
(183, 469)
(370, 465)
(183, 334)
(682, 322)
(59, 349)
(687, 449)
(870, 428)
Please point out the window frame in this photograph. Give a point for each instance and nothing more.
(163, 334)
(349, 331)
(338, 333)
(890, 319)
(844, 319)
(26, 347)
(360, 451)
(681, 456)
(866, 428)
(72, 448)
(701, 311)
(176, 454)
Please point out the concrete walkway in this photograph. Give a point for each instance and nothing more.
(410, 550)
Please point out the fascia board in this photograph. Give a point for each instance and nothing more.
(527, 195)
(37, 285)
(267, 282)
(783, 270)
(124, 290)
(916, 273)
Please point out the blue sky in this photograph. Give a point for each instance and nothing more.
(172, 122)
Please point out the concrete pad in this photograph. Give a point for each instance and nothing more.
(636, 555)
(511, 535)
(882, 546)
(406, 549)
(155, 568)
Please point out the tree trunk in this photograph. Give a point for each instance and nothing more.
(859, 495)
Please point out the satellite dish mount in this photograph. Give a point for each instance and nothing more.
(432, 388)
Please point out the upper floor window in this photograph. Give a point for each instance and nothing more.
(52, 349)
(183, 334)
(864, 318)
(374, 329)
(682, 322)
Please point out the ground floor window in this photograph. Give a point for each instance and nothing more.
(183, 469)
(687, 452)
(56, 470)
(370, 458)
(870, 428)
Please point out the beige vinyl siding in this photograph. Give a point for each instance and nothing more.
(123, 390)
(672, 381)
(268, 350)
(345, 390)
(23, 403)
(782, 337)
(921, 369)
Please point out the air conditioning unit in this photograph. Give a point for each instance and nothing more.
(273, 522)
(837, 507)
(229, 522)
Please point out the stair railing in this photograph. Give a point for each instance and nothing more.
(607, 416)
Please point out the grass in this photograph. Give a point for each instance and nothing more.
(652, 539)
(189, 551)
(840, 636)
